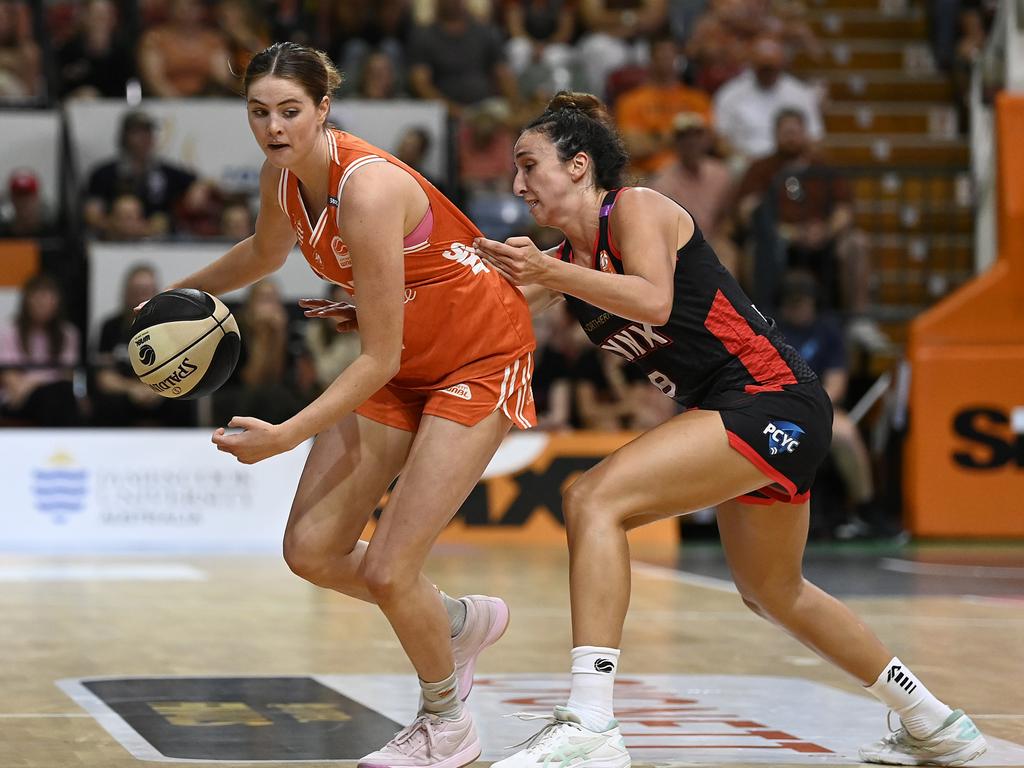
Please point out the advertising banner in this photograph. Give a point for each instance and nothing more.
(170, 490)
(139, 490)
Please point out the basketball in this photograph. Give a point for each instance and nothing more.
(184, 344)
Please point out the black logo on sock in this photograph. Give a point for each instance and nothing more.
(604, 665)
(902, 680)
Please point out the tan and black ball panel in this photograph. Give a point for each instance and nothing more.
(184, 344)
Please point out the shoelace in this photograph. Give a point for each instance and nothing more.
(403, 740)
(895, 735)
(542, 738)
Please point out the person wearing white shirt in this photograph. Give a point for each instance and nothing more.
(746, 106)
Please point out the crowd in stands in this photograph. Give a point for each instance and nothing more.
(701, 91)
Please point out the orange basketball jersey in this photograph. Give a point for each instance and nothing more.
(462, 319)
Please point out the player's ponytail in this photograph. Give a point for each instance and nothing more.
(579, 122)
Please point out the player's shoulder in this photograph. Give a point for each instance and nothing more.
(270, 174)
(644, 206)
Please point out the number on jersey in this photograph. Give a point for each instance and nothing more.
(662, 382)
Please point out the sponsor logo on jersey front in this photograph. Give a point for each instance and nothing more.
(467, 256)
(462, 391)
(604, 263)
(635, 341)
(340, 251)
(783, 437)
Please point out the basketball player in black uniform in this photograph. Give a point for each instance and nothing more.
(637, 273)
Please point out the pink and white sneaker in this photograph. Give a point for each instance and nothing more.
(429, 742)
(486, 621)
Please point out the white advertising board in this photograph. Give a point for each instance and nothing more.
(212, 137)
(139, 490)
(157, 490)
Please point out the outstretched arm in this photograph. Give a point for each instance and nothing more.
(372, 216)
(649, 233)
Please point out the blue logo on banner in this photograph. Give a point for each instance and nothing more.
(783, 437)
(59, 491)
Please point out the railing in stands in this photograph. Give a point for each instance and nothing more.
(918, 228)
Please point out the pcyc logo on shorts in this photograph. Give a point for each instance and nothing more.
(783, 437)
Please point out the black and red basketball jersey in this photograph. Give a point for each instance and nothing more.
(716, 348)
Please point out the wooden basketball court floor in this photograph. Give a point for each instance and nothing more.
(213, 650)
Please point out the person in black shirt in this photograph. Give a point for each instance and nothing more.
(138, 171)
(96, 62)
(637, 273)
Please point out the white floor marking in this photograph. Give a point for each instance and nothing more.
(952, 569)
(683, 577)
(97, 572)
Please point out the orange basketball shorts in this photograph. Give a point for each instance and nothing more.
(467, 402)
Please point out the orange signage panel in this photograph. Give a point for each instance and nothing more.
(965, 459)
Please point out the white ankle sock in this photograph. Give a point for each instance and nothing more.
(441, 698)
(593, 685)
(899, 689)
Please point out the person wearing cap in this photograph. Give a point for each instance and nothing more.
(819, 340)
(645, 113)
(137, 170)
(699, 182)
(24, 215)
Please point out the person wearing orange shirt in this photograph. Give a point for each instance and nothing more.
(646, 113)
(443, 372)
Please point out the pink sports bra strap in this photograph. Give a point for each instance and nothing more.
(422, 231)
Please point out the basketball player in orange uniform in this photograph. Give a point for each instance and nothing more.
(443, 373)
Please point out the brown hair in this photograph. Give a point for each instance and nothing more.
(310, 68)
(54, 327)
(579, 122)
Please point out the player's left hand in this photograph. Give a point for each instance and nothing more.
(259, 441)
(518, 260)
(343, 312)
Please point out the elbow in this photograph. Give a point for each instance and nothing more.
(389, 364)
(659, 313)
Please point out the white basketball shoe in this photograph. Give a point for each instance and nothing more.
(429, 742)
(565, 743)
(954, 743)
(486, 621)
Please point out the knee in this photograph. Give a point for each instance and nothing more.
(305, 560)
(580, 503)
(774, 600)
(385, 577)
(752, 605)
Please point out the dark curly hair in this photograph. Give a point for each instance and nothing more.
(579, 122)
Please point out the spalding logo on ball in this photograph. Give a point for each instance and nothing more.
(184, 344)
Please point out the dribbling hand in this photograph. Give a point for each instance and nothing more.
(260, 440)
